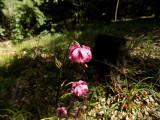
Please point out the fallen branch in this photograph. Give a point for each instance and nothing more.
(14, 94)
(111, 65)
(16, 88)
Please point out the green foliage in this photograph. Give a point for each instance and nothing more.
(7, 82)
(2, 30)
(99, 92)
(22, 17)
(16, 114)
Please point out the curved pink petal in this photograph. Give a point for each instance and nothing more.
(84, 54)
(85, 88)
(80, 82)
(89, 55)
(79, 90)
(86, 47)
(76, 55)
(79, 55)
(80, 58)
(72, 49)
(74, 85)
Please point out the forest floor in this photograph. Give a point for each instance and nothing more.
(29, 76)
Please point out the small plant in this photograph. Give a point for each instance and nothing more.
(62, 112)
(16, 114)
(79, 55)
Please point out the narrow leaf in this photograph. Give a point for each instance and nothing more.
(58, 63)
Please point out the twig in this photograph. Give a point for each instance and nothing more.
(70, 105)
(111, 65)
(17, 85)
(116, 10)
(58, 89)
(16, 88)
(154, 96)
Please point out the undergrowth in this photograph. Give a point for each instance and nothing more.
(28, 72)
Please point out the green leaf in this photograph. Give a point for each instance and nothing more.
(51, 118)
(58, 63)
(69, 83)
(65, 95)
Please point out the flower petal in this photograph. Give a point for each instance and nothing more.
(62, 112)
(86, 47)
(75, 55)
(79, 90)
(72, 49)
(80, 82)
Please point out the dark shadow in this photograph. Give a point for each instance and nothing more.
(29, 83)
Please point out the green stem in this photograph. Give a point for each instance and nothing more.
(60, 76)
(90, 103)
(58, 90)
(59, 81)
(116, 10)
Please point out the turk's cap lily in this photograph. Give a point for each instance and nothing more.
(62, 112)
(80, 54)
(79, 88)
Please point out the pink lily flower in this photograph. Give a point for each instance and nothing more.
(79, 88)
(62, 112)
(80, 54)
